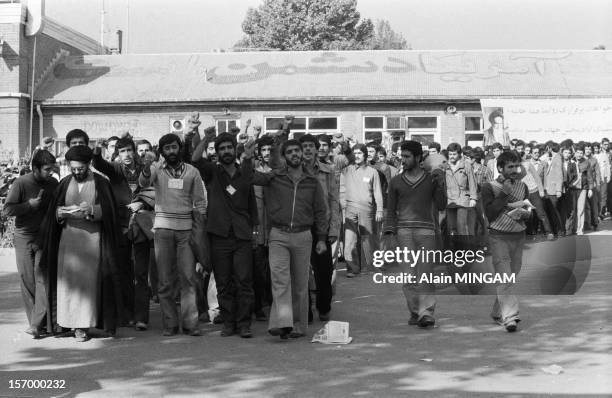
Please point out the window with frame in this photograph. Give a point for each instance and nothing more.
(304, 125)
(373, 127)
(423, 129)
(473, 131)
(225, 125)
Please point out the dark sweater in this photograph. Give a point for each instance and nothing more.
(28, 220)
(409, 205)
(231, 200)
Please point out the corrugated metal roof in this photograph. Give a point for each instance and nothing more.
(354, 75)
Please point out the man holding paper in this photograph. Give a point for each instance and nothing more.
(506, 207)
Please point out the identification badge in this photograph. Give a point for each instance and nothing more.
(230, 189)
(175, 183)
(366, 180)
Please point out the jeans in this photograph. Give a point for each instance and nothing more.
(126, 275)
(419, 296)
(592, 208)
(232, 260)
(261, 278)
(534, 198)
(142, 252)
(289, 271)
(507, 256)
(32, 279)
(580, 198)
(358, 254)
(553, 206)
(322, 267)
(175, 260)
(603, 196)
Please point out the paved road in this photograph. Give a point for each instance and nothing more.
(464, 355)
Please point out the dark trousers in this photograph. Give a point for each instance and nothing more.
(534, 198)
(261, 278)
(126, 274)
(32, 280)
(592, 208)
(322, 267)
(552, 207)
(142, 251)
(232, 261)
(567, 205)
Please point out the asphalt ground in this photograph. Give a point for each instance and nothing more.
(464, 355)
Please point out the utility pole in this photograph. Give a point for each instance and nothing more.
(128, 33)
(102, 24)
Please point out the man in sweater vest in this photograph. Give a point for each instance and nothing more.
(410, 217)
(506, 233)
(179, 191)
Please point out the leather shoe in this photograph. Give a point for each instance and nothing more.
(192, 332)
(81, 335)
(245, 332)
(170, 331)
(228, 331)
(426, 321)
(511, 326)
(282, 332)
(34, 331)
(414, 319)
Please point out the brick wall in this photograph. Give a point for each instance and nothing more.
(152, 122)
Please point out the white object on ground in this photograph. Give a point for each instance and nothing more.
(333, 332)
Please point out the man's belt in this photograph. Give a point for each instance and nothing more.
(296, 229)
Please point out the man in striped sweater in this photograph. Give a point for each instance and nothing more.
(506, 233)
(178, 191)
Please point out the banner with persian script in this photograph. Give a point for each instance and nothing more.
(552, 119)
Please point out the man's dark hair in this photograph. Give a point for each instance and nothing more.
(310, 138)
(520, 142)
(142, 142)
(435, 145)
(579, 147)
(113, 138)
(554, 147)
(382, 151)
(125, 142)
(468, 152)
(395, 145)
(360, 147)
(477, 155)
(324, 138)
(507, 157)
(225, 137)
(266, 140)
(497, 145)
(288, 143)
(596, 145)
(413, 147)
(605, 140)
(42, 158)
(454, 147)
(169, 139)
(76, 133)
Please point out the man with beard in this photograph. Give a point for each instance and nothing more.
(294, 202)
(123, 175)
(179, 195)
(506, 233)
(142, 147)
(27, 201)
(322, 264)
(410, 218)
(80, 250)
(232, 214)
(362, 203)
(261, 267)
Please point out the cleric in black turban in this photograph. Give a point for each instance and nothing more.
(79, 153)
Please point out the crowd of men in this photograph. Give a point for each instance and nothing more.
(260, 221)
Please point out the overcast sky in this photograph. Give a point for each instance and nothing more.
(178, 26)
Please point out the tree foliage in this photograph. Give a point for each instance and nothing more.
(306, 25)
(386, 38)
